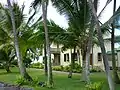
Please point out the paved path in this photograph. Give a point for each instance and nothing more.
(4, 86)
(62, 72)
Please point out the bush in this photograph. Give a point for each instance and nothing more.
(66, 68)
(37, 65)
(93, 70)
(96, 69)
(1, 67)
(21, 81)
(77, 68)
(57, 68)
(95, 86)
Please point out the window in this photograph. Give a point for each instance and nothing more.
(99, 57)
(75, 57)
(66, 57)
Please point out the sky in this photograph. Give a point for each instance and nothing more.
(60, 19)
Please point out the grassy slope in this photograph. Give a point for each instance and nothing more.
(61, 81)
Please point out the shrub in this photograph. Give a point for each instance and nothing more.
(37, 65)
(77, 66)
(93, 70)
(95, 86)
(1, 67)
(96, 69)
(66, 68)
(21, 81)
(57, 68)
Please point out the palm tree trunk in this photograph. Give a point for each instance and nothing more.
(86, 74)
(74, 57)
(45, 59)
(78, 57)
(71, 67)
(44, 15)
(20, 62)
(83, 63)
(100, 38)
(87, 55)
(115, 74)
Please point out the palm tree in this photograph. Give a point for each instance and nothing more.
(16, 42)
(77, 13)
(6, 57)
(44, 5)
(116, 77)
(100, 38)
(49, 68)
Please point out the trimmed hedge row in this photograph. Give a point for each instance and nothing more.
(37, 65)
(76, 69)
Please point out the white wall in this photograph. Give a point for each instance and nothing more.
(118, 58)
(62, 57)
(96, 50)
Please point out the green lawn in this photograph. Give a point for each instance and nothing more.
(61, 81)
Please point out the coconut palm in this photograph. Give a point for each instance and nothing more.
(78, 15)
(44, 4)
(100, 38)
(116, 78)
(14, 27)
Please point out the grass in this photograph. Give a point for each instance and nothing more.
(61, 82)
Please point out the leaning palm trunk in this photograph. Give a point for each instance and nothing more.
(115, 75)
(20, 62)
(100, 38)
(49, 68)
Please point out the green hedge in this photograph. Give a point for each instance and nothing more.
(37, 65)
(77, 68)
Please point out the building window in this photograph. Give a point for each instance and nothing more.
(66, 57)
(99, 56)
(74, 56)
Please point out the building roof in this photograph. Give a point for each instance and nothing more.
(116, 50)
(117, 39)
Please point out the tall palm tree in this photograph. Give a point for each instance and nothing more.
(115, 74)
(20, 62)
(77, 13)
(100, 38)
(49, 67)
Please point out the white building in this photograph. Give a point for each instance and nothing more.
(64, 58)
